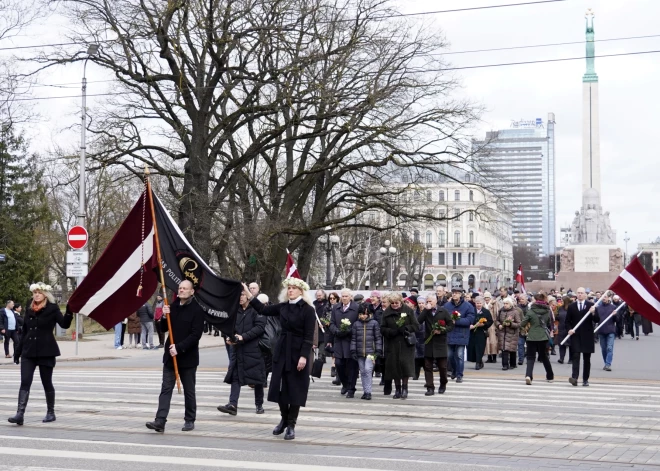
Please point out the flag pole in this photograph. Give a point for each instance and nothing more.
(609, 317)
(162, 275)
(585, 316)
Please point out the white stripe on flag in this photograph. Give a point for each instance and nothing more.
(641, 291)
(78, 237)
(292, 270)
(125, 272)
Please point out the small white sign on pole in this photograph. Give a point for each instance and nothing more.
(77, 258)
(74, 271)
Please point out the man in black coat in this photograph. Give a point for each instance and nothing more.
(582, 338)
(340, 340)
(247, 365)
(187, 321)
(435, 352)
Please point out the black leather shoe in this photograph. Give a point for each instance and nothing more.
(397, 394)
(228, 409)
(505, 368)
(260, 410)
(404, 393)
(188, 427)
(442, 390)
(459, 380)
(344, 391)
(367, 397)
(279, 428)
(560, 361)
(290, 432)
(453, 376)
(350, 395)
(573, 381)
(429, 392)
(586, 383)
(336, 382)
(156, 425)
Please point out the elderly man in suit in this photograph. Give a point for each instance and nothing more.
(582, 338)
(340, 340)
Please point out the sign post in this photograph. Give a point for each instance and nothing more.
(76, 262)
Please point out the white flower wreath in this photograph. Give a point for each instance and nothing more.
(295, 282)
(40, 286)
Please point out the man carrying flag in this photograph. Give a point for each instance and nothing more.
(187, 322)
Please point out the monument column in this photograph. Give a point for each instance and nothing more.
(590, 123)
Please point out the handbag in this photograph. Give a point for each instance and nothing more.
(411, 339)
(317, 368)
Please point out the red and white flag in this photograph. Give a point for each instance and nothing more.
(291, 269)
(639, 290)
(520, 279)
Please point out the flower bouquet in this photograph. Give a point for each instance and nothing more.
(401, 320)
(440, 326)
(455, 316)
(372, 357)
(325, 322)
(345, 325)
(507, 322)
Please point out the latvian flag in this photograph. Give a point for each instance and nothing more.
(111, 291)
(639, 291)
(291, 269)
(520, 279)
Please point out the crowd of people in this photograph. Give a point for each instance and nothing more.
(391, 337)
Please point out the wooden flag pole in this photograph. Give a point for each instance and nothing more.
(162, 275)
(585, 316)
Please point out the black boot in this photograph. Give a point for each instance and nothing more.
(23, 397)
(50, 407)
(157, 425)
(293, 418)
(284, 412)
(387, 388)
(397, 393)
(404, 393)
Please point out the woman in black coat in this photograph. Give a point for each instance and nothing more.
(289, 383)
(479, 334)
(246, 366)
(399, 356)
(38, 348)
(563, 329)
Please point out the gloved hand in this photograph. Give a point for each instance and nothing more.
(402, 330)
(354, 356)
(379, 353)
(68, 311)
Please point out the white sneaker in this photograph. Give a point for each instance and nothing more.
(528, 380)
(119, 347)
(550, 380)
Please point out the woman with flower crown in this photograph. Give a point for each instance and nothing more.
(38, 348)
(289, 383)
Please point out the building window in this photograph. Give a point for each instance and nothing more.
(429, 238)
(441, 238)
(442, 213)
(457, 239)
(457, 195)
(428, 260)
(441, 195)
(460, 258)
(429, 196)
(471, 236)
(471, 215)
(457, 214)
(471, 195)
(441, 258)
(454, 259)
(416, 237)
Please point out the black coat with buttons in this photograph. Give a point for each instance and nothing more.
(187, 321)
(37, 338)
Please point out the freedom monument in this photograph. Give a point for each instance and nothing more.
(592, 258)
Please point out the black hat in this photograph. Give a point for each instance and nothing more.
(358, 298)
(414, 290)
(456, 288)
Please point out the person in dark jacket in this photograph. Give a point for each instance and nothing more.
(289, 384)
(247, 364)
(366, 343)
(616, 301)
(582, 339)
(38, 348)
(158, 313)
(479, 333)
(607, 331)
(377, 306)
(435, 350)
(344, 315)
(539, 320)
(320, 306)
(399, 322)
(460, 336)
(9, 326)
(146, 315)
(333, 298)
(413, 302)
(563, 330)
(187, 324)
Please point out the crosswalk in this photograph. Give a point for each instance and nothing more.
(485, 418)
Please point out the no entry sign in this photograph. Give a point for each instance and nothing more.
(77, 237)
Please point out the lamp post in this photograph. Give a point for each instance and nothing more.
(330, 242)
(626, 239)
(389, 251)
(92, 50)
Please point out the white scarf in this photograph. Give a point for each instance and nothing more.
(295, 301)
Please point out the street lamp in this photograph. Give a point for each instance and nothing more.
(389, 251)
(330, 242)
(626, 239)
(92, 50)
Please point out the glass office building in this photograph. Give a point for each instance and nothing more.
(518, 164)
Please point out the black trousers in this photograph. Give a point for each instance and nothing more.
(575, 357)
(123, 333)
(235, 391)
(442, 370)
(347, 370)
(508, 359)
(562, 351)
(289, 413)
(28, 365)
(188, 380)
(13, 336)
(534, 349)
(161, 334)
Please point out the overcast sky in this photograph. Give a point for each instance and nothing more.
(629, 92)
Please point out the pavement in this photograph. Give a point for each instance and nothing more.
(490, 421)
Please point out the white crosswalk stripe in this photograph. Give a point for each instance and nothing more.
(612, 423)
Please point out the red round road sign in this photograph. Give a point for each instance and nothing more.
(77, 237)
